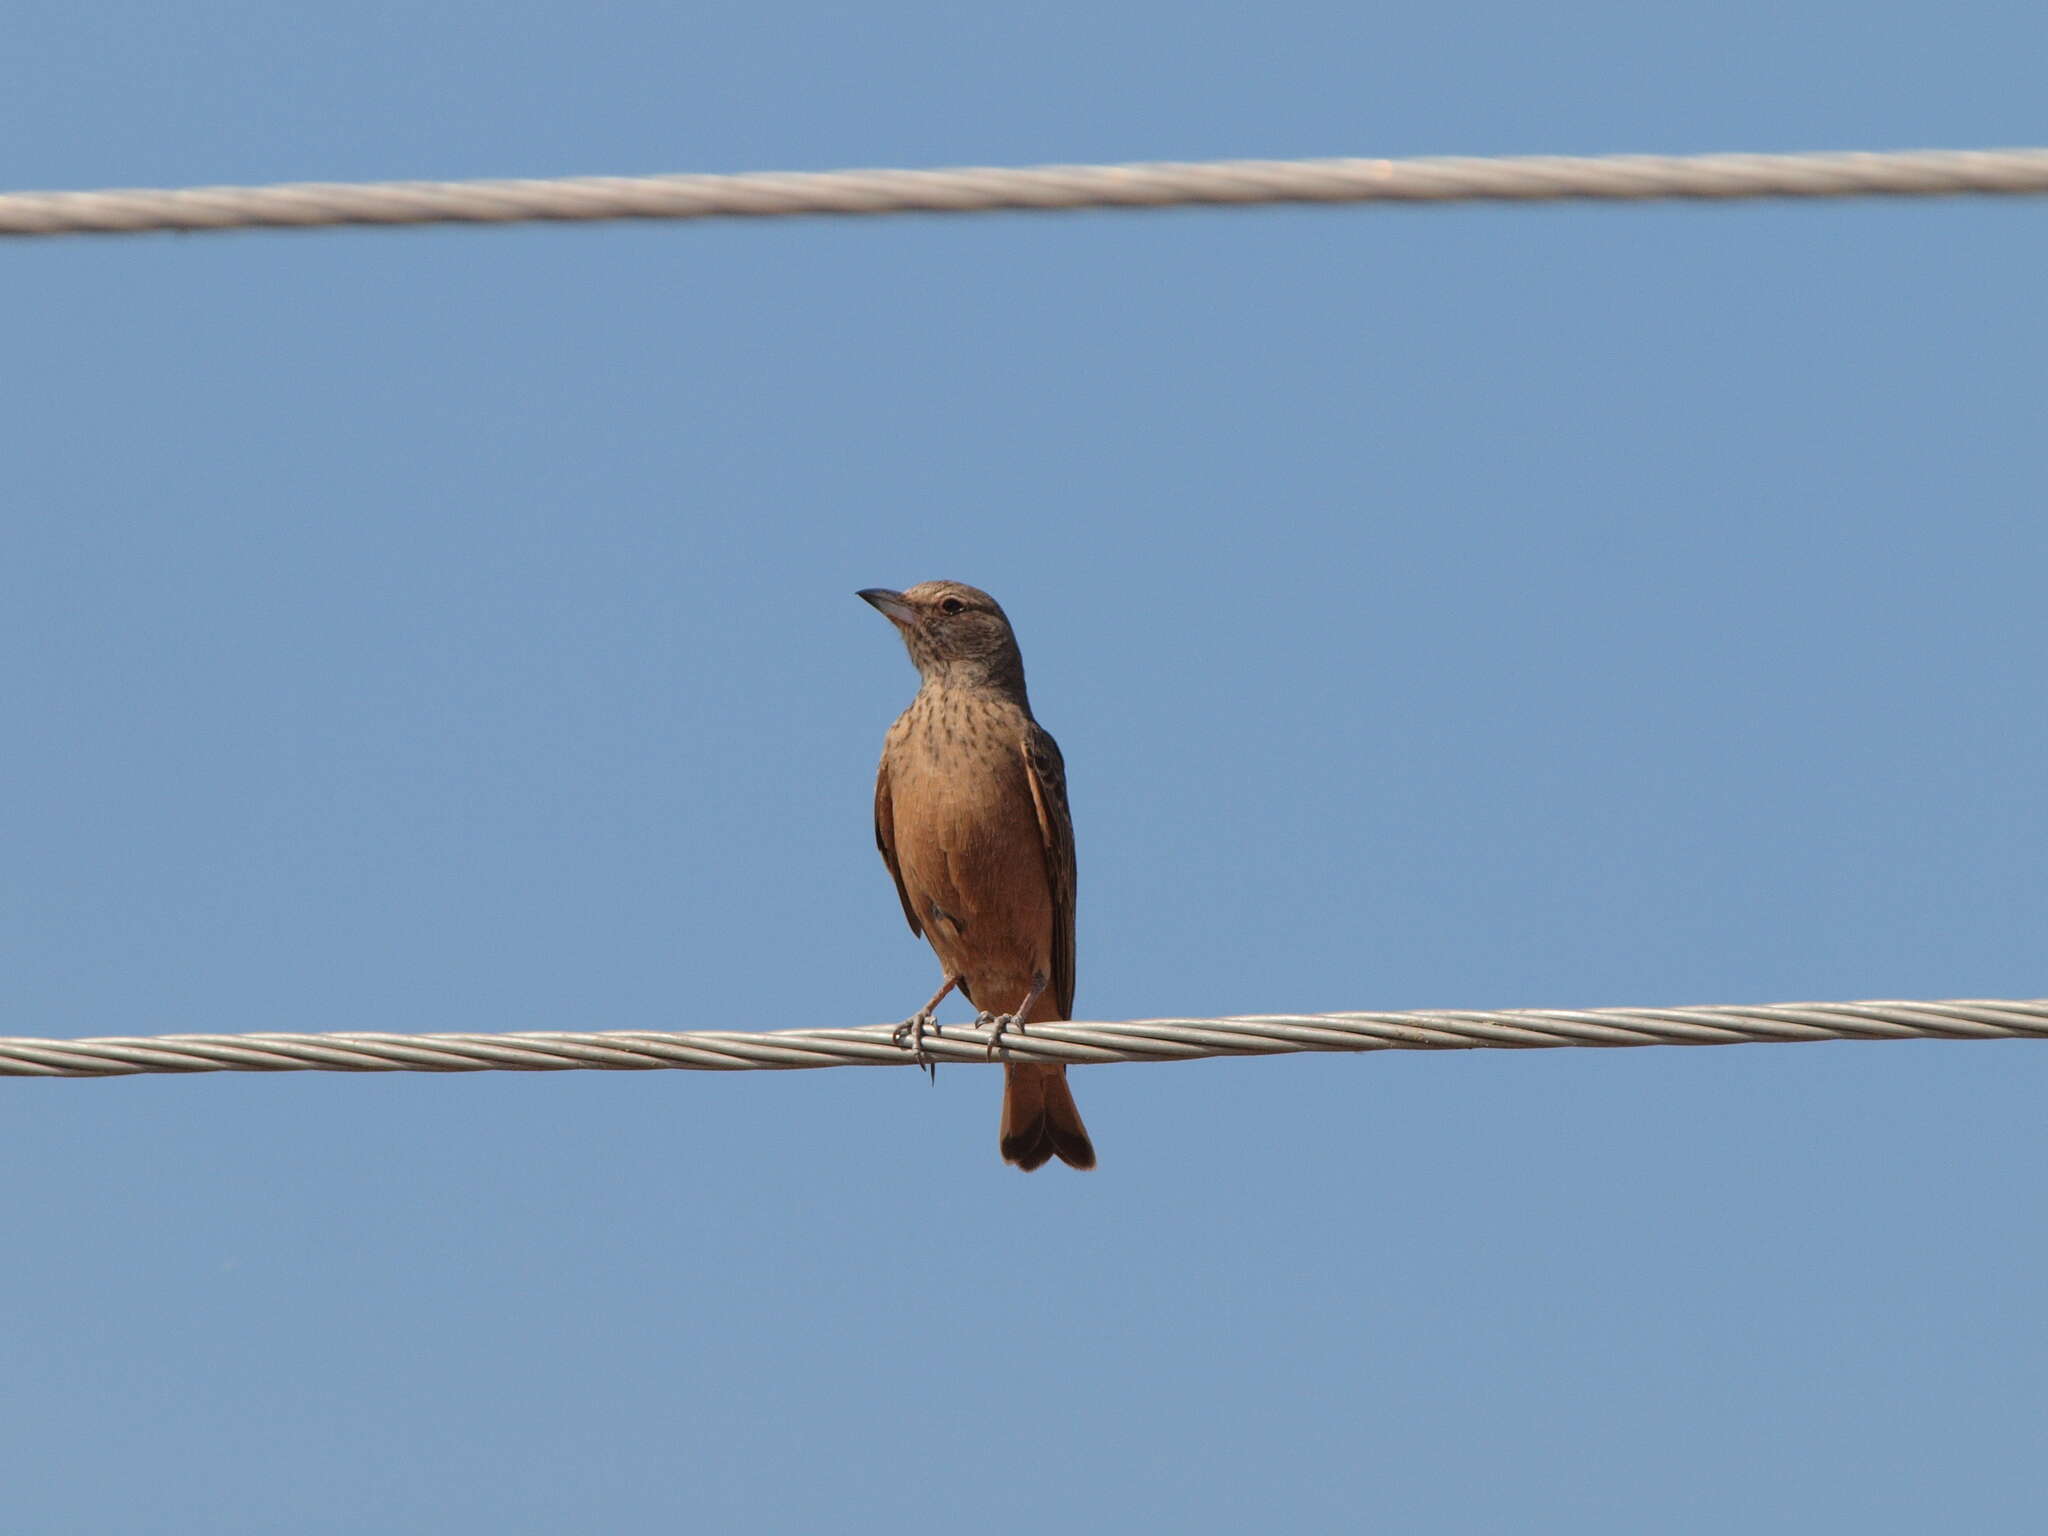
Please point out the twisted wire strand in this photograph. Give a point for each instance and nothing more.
(979, 189)
(1079, 1043)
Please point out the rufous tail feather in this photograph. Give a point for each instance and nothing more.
(1040, 1121)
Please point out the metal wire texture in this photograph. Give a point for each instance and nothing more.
(978, 189)
(1081, 1044)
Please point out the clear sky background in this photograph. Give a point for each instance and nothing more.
(1480, 607)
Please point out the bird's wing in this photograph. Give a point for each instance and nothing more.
(885, 839)
(1048, 774)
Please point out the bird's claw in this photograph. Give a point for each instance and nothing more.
(910, 1034)
(997, 1024)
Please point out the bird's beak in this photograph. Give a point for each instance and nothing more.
(891, 605)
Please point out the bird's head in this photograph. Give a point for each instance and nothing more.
(957, 634)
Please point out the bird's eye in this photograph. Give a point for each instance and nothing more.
(951, 605)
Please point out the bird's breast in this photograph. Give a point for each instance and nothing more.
(966, 826)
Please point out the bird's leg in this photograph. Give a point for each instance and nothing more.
(1004, 1021)
(911, 1031)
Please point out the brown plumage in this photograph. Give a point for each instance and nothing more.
(971, 817)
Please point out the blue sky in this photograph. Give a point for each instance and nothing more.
(1475, 607)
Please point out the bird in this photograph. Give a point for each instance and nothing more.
(971, 818)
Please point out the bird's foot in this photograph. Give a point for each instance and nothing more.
(1000, 1023)
(910, 1034)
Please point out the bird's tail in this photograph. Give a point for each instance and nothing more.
(1040, 1121)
